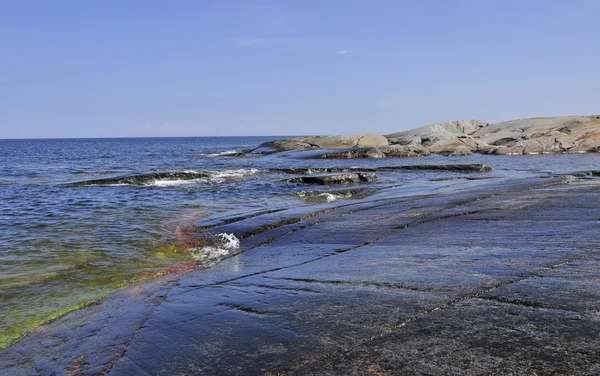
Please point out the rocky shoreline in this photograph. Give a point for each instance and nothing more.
(567, 134)
(496, 279)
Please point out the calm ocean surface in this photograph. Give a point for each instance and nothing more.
(62, 246)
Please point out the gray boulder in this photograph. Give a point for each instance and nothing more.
(461, 151)
(401, 151)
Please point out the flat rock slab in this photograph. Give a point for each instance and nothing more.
(435, 296)
(476, 337)
(500, 280)
(328, 142)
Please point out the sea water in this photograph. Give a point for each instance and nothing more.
(63, 246)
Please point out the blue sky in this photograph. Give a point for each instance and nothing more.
(222, 68)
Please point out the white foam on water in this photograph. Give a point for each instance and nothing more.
(231, 174)
(214, 253)
(229, 240)
(170, 183)
(309, 195)
(222, 153)
(328, 196)
(215, 176)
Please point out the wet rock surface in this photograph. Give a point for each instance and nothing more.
(316, 170)
(356, 153)
(339, 178)
(391, 151)
(140, 179)
(494, 280)
(481, 167)
(444, 167)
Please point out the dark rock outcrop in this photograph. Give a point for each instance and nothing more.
(446, 167)
(355, 153)
(318, 170)
(341, 178)
(141, 179)
(390, 151)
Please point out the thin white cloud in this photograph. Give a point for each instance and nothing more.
(343, 52)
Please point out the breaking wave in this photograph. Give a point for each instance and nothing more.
(232, 174)
(225, 153)
(321, 197)
(315, 197)
(166, 179)
(221, 246)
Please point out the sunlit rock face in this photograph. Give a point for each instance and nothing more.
(566, 134)
(329, 142)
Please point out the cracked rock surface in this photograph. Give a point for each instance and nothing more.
(329, 142)
(561, 134)
(497, 280)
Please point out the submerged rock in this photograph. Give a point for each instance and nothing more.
(342, 178)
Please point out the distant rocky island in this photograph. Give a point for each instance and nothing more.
(545, 135)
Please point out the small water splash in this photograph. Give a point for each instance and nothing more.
(316, 197)
(171, 183)
(223, 153)
(167, 178)
(221, 246)
(225, 175)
